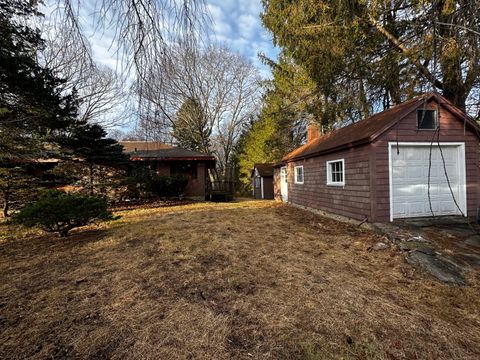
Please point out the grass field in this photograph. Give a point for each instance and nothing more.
(246, 280)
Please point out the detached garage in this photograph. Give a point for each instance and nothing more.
(416, 159)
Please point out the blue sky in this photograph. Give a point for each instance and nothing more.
(235, 24)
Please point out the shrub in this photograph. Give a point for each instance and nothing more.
(60, 212)
(168, 186)
(139, 183)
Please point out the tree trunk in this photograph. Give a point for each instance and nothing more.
(5, 208)
(363, 101)
(91, 178)
(449, 55)
(6, 203)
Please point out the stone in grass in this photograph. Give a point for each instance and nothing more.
(438, 266)
(379, 246)
(418, 238)
(414, 245)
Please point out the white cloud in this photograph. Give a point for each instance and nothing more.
(218, 18)
(248, 25)
(237, 25)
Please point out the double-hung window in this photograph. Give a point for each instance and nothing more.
(298, 174)
(336, 172)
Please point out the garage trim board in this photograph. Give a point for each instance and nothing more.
(458, 174)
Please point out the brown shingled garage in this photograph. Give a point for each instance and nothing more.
(417, 159)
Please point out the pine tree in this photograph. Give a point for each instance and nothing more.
(33, 111)
(89, 143)
(191, 128)
(34, 114)
(381, 52)
(15, 187)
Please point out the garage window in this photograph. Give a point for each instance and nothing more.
(336, 172)
(426, 119)
(298, 174)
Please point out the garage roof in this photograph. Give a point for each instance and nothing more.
(367, 130)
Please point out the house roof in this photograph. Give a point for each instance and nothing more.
(153, 150)
(365, 131)
(263, 169)
(131, 146)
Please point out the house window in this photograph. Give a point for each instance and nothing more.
(186, 168)
(257, 182)
(298, 174)
(426, 119)
(336, 172)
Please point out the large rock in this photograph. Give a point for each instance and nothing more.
(438, 266)
(417, 245)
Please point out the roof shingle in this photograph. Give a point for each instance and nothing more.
(149, 150)
(367, 130)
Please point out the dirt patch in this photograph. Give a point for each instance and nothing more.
(245, 280)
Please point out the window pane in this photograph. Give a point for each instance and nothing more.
(335, 174)
(426, 119)
(299, 174)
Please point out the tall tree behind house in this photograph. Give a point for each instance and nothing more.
(382, 52)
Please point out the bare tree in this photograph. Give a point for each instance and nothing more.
(101, 92)
(142, 29)
(224, 85)
(103, 98)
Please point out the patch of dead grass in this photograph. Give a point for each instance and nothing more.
(217, 281)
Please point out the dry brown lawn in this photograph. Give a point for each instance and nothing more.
(246, 280)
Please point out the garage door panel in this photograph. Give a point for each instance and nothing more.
(410, 169)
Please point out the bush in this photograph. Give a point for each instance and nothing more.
(144, 183)
(139, 183)
(168, 186)
(60, 212)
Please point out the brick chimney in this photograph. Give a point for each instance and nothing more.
(313, 132)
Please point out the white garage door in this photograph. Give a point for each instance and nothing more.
(409, 180)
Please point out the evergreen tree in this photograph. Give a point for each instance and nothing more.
(95, 150)
(34, 114)
(15, 187)
(191, 127)
(33, 111)
(365, 52)
(291, 102)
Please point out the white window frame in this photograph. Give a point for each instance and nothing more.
(329, 173)
(295, 175)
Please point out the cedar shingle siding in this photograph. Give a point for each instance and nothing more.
(352, 200)
(366, 191)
